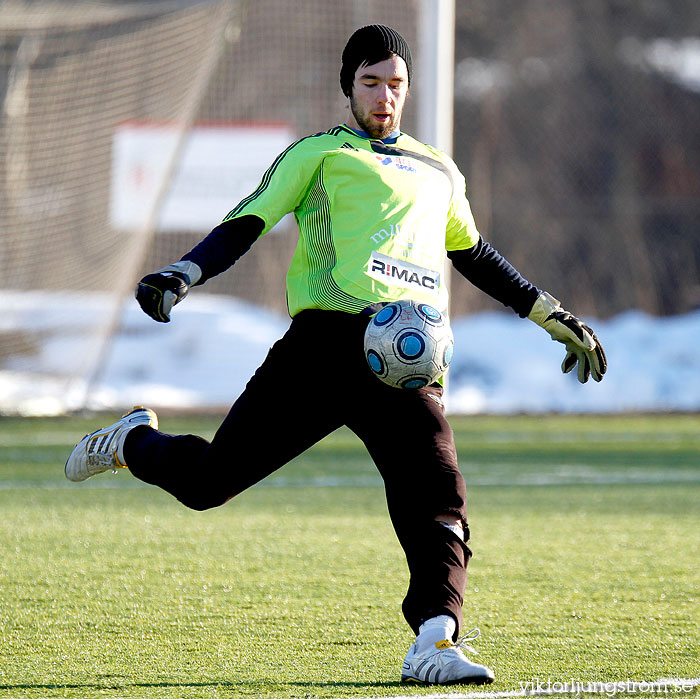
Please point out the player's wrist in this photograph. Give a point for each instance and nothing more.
(545, 304)
(191, 270)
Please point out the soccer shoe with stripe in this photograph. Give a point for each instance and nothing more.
(445, 663)
(103, 450)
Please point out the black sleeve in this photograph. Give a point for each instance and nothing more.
(228, 242)
(489, 271)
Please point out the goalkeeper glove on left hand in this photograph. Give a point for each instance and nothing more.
(157, 293)
(582, 346)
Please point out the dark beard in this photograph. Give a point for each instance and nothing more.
(377, 132)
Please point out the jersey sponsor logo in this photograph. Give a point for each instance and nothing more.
(395, 161)
(393, 230)
(404, 274)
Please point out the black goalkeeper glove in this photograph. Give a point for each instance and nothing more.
(157, 293)
(582, 346)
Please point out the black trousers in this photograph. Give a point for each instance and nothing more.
(314, 380)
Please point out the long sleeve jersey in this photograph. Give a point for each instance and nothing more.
(375, 220)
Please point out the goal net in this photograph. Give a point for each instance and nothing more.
(127, 131)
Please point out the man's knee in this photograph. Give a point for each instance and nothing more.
(455, 523)
(201, 501)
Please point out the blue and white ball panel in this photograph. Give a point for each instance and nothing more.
(386, 315)
(410, 345)
(430, 314)
(447, 356)
(415, 382)
(376, 363)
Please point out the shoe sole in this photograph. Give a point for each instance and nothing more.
(476, 681)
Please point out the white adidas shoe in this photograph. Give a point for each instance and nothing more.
(445, 663)
(103, 450)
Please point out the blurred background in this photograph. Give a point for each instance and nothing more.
(128, 130)
(577, 124)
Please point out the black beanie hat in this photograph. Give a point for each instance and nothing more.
(370, 45)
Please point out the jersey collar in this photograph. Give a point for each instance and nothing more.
(362, 134)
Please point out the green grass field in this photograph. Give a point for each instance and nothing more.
(586, 539)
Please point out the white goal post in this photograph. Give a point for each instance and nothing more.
(436, 77)
(436, 73)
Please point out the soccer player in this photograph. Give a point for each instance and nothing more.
(372, 204)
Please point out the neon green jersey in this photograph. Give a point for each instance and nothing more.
(374, 219)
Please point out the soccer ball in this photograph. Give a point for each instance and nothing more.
(408, 344)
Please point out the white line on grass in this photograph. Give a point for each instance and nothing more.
(688, 476)
(534, 688)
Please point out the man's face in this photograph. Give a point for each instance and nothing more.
(377, 98)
